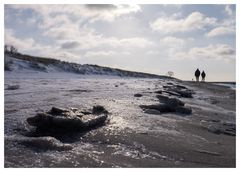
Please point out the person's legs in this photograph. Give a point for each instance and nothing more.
(197, 78)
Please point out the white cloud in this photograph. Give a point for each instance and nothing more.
(29, 44)
(194, 21)
(21, 44)
(173, 41)
(68, 25)
(70, 36)
(229, 22)
(103, 12)
(54, 21)
(31, 21)
(93, 12)
(66, 32)
(126, 53)
(69, 31)
(214, 52)
(220, 31)
(135, 42)
(226, 26)
(152, 52)
(228, 10)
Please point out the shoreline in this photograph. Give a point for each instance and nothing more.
(132, 138)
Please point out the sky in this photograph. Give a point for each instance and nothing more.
(146, 38)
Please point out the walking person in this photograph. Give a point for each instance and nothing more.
(203, 76)
(197, 74)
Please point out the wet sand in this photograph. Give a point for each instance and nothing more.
(131, 138)
(196, 146)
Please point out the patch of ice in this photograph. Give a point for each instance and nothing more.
(137, 151)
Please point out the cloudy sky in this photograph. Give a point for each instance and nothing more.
(148, 38)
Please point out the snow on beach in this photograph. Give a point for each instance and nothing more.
(131, 137)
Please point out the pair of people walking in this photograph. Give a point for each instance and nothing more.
(197, 75)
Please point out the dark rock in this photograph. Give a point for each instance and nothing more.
(183, 110)
(13, 87)
(229, 124)
(229, 129)
(181, 87)
(172, 93)
(74, 109)
(175, 102)
(166, 86)
(152, 111)
(214, 129)
(58, 111)
(169, 83)
(37, 119)
(99, 109)
(186, 94)
(162, 98)
(170, 101)
(222, 128)
(44, 121)
(80, 91)
(92, 121)
(214, 101)
(86, 112)
(158, 92)
(56, 124)
(230, 133)
(138, 95)
(61, 120)
(167, 104)
(163, 108)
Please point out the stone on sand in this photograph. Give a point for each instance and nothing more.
(62, 120)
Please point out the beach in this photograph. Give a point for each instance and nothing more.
(131, 137)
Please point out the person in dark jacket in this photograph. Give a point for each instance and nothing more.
(203, 76)
(197, 74)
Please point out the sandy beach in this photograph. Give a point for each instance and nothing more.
(197, 147)
(131, 137)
